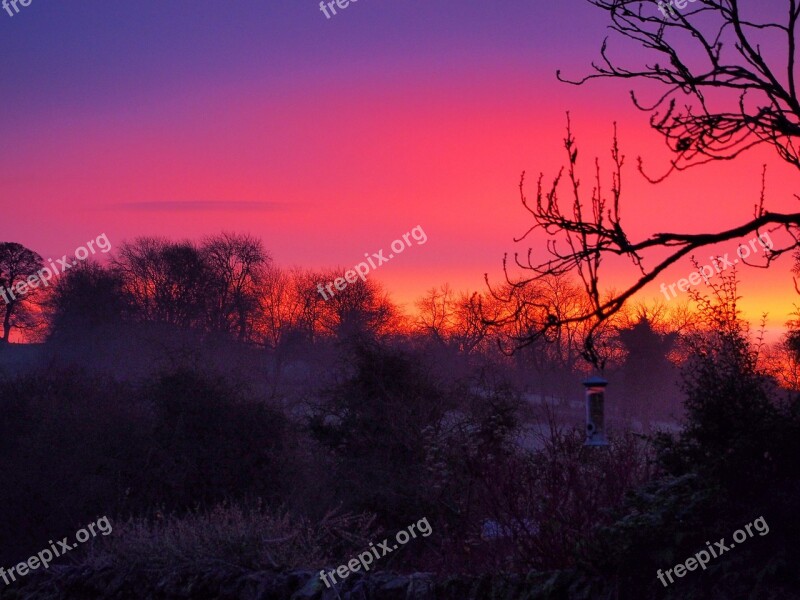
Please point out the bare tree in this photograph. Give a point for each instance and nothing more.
(664, 318)
(17, 265)
(166, 280)
(307, 305)
(722, 91)
(455, 320)
(470, 331)
(589, 232)
(279, 309)
(236, 267)
(363, 307)
(435, 313)
(734, 96)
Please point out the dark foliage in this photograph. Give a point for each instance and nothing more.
(735, 461)
(74, 447)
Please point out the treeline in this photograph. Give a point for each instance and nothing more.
(228, 287)
(224, 285)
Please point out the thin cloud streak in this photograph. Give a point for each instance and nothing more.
(201, 206)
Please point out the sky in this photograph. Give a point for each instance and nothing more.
(331, 137)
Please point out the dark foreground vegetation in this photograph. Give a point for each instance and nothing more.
(235, 468)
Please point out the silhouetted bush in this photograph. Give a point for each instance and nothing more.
(73, 447)
(375, 423)
(211, 442)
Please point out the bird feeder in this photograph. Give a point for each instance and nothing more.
(595, 411)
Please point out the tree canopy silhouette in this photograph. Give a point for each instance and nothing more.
(17, 265)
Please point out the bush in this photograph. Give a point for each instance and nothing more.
(374, 424)
(73, 447)
(212, 443)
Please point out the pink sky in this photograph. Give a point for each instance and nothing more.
(331, 160)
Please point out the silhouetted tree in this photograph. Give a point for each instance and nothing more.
(85, 299)
(236, 267)
(721, 89)
(455, 320)
(649, 377)
(18, 267)
(168, 281)
(733, 95)
(361, 308)
(278, 310)
(307, 307)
